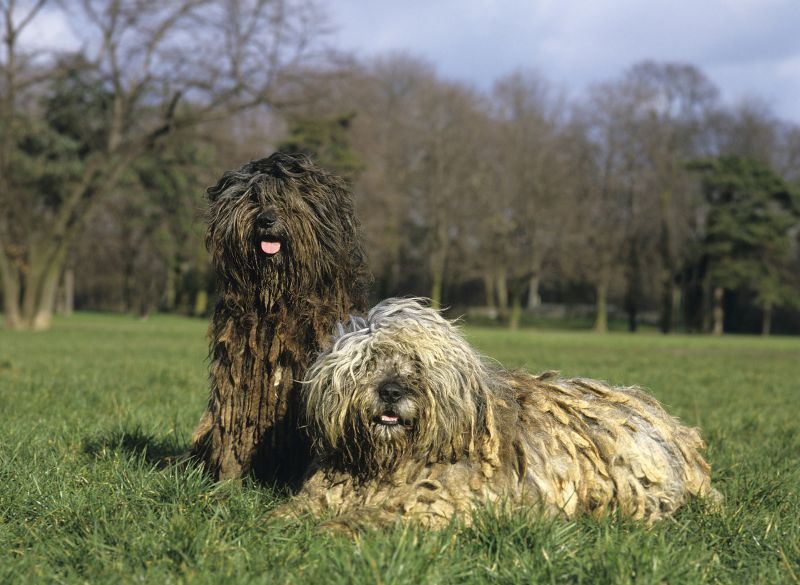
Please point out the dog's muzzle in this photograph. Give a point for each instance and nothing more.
(268, 234)
(394, 408)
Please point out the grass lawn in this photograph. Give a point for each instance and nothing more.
(89, 409)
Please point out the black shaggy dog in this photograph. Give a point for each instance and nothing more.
(286, 248)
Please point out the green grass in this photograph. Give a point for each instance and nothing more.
(89, 410)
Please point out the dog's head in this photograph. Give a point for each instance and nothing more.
(283, 226)
(401, 383)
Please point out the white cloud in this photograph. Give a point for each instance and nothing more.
(746, 46)
(50, 30)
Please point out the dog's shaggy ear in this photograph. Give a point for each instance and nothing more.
(227, 180)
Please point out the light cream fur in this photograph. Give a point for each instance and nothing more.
(472, 433)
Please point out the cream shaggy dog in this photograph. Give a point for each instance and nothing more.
(409, 422)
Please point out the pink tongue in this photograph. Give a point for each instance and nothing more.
(270, 247)
(388, 419)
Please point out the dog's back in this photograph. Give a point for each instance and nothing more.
(594, 448)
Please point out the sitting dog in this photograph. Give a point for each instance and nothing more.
(287, 252)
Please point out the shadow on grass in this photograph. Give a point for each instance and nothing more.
(160, 451)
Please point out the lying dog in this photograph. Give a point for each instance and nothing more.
(408, 421)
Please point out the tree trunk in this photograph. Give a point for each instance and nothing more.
(667, 313)
(170, 295)
(11, 291)
(43, 312)
(705, 306)
(632, 310)
(502, 293)
(436, 290)
(633, 285)
(45, 257)
(200, 303)
(65, 302)
(766, 320)
(534, 298)
(516, 310)
(128, 281)
(29, 303)
(667, 307)
(32, 283)
(601, 319)
(718, 311)
(677, 295)
(488, 287)
(438, 260)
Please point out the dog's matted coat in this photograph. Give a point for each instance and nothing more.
(287, 253)
(408, 421)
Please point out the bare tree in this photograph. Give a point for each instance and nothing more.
(446, 174)
(17, 80)
(149, 66)
(672, 121)
(608, 201)
(532, 165)
(420, 141)
(645, 126)
(386, 133)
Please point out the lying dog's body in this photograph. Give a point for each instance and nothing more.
(408, 421)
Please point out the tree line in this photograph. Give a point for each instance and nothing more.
(645, 193)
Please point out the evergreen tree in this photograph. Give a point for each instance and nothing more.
(327, 141)
(748, 237)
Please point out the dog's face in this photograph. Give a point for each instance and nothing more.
(390, 400)
(282, 225)
(401, 384)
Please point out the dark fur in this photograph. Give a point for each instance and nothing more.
(274, 312)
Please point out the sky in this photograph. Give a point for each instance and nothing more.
(748, 48)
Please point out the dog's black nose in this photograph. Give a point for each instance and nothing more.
(390, 392)
(266, 219)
